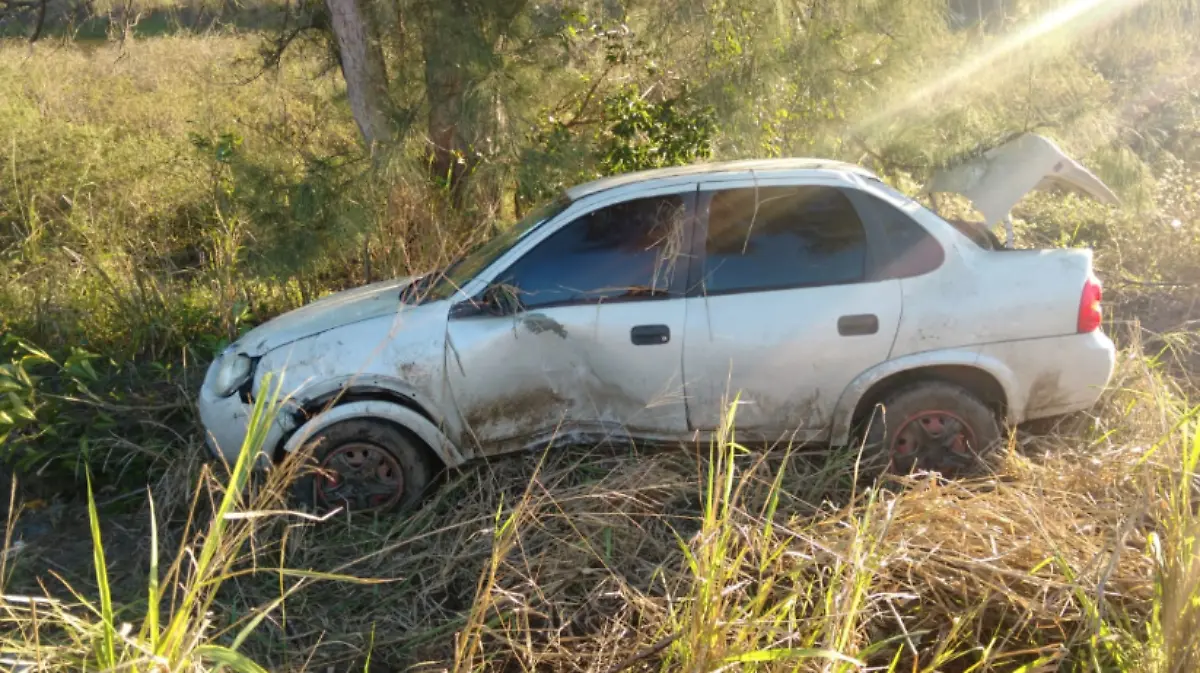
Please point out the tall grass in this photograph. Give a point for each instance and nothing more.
(85, 634)
(1078, 556)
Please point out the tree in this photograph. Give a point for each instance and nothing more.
(465, 45)
(25, 11)
(364, 69)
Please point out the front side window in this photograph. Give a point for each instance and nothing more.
(629, 250)
(771, 238)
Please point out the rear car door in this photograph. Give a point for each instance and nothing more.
(595, 340)
(785, 307)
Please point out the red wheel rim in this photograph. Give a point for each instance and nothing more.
(360, 476)
(933, 430)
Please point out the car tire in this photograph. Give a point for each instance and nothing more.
(363, 465)
(933, 427)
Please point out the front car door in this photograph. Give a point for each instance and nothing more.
(785, 308)
(593, 338)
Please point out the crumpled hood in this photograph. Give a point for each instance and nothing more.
(341, 308)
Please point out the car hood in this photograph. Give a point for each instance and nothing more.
(1000, 177)
(336, 310)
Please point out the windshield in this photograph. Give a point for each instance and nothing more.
(446, 283)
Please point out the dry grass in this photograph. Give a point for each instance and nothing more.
(1075, 556)
(597, 561)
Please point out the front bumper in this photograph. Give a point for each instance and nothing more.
(226, 422)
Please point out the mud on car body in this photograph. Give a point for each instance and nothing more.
(632, 307)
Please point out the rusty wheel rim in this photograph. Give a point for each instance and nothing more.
(933, 433)
(360, 477)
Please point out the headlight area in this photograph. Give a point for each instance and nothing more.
(234, 371)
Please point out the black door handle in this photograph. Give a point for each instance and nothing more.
(650, 335)
(858, 325)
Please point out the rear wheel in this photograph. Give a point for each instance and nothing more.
(363, 465)
(933, 426)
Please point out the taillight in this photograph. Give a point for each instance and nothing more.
(1089, 306)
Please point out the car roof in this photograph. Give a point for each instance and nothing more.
(746, 166)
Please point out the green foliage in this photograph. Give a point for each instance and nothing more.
(638, 133)
(36, 394)
(643, 134)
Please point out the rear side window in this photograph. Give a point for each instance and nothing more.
(626, 251)
(782, 237)
(908, 249)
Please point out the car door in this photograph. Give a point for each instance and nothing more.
(593, 338)
(783, 309)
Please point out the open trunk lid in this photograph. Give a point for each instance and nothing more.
(1000, 177)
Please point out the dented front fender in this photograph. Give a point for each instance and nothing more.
(406, 418)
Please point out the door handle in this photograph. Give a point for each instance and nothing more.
(650, 335)
(858, 325)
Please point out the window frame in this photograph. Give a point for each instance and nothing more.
(874, 236)
(686, 192)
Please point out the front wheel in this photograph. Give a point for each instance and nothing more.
(933, 426)
(362, 465)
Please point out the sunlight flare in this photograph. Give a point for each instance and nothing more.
(1068, 22)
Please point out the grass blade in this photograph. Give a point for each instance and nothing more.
(782, 654)
(227, 657)
(107, 655)
(154, 596)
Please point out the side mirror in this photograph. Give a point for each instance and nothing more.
(496, 300)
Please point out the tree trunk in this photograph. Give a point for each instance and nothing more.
(447, 47)
(39, 20)
(363, 68)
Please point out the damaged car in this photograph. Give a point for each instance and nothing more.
(832, 307)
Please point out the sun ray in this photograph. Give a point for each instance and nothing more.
(1065, 23)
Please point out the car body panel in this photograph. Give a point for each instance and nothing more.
(956, 304)
(418, 424)
(570, 368)
(1053, 375)
(400, 354)
(854, 392)
(226, 420)
(532, 374)
(715, 170)
(336, 310)
(1040, 377)
(782, 354)
(780, 351)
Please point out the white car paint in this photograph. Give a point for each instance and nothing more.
(474, 386)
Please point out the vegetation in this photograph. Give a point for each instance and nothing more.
(181, 178)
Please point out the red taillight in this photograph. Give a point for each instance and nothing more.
(1089, 306)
